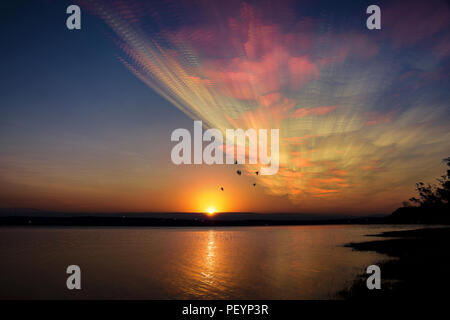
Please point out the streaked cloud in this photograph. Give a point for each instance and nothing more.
(355, 113)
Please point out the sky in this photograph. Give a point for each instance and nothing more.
(86, 115)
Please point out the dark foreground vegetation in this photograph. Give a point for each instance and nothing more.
(419, 268)
(431, 206)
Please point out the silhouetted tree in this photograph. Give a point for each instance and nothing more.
(434, 196)
(444, 189)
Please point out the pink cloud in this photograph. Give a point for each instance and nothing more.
(249, 79)
(270, 99)
(301, 69)
(249, 56)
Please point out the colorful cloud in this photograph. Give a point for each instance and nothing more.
(327, 88)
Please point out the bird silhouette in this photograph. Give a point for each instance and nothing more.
(254, 184)
(239, 172)
(257, 172)
(221, 188)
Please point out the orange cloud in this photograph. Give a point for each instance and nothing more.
(299, 140)
(301, 162)
(321, 191)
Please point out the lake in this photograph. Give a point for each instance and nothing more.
(273, 262)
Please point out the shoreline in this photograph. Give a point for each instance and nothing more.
(421, 262)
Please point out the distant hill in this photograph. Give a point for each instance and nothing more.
(37, 217)
(404, 215)
(420, 215)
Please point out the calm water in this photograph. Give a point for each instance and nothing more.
(294, 262)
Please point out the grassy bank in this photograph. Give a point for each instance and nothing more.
(420, 268)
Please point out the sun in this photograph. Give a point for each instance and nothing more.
(211, 211)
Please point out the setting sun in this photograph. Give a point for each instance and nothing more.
(211, 210)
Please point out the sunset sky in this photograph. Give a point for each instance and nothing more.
(86, 115)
